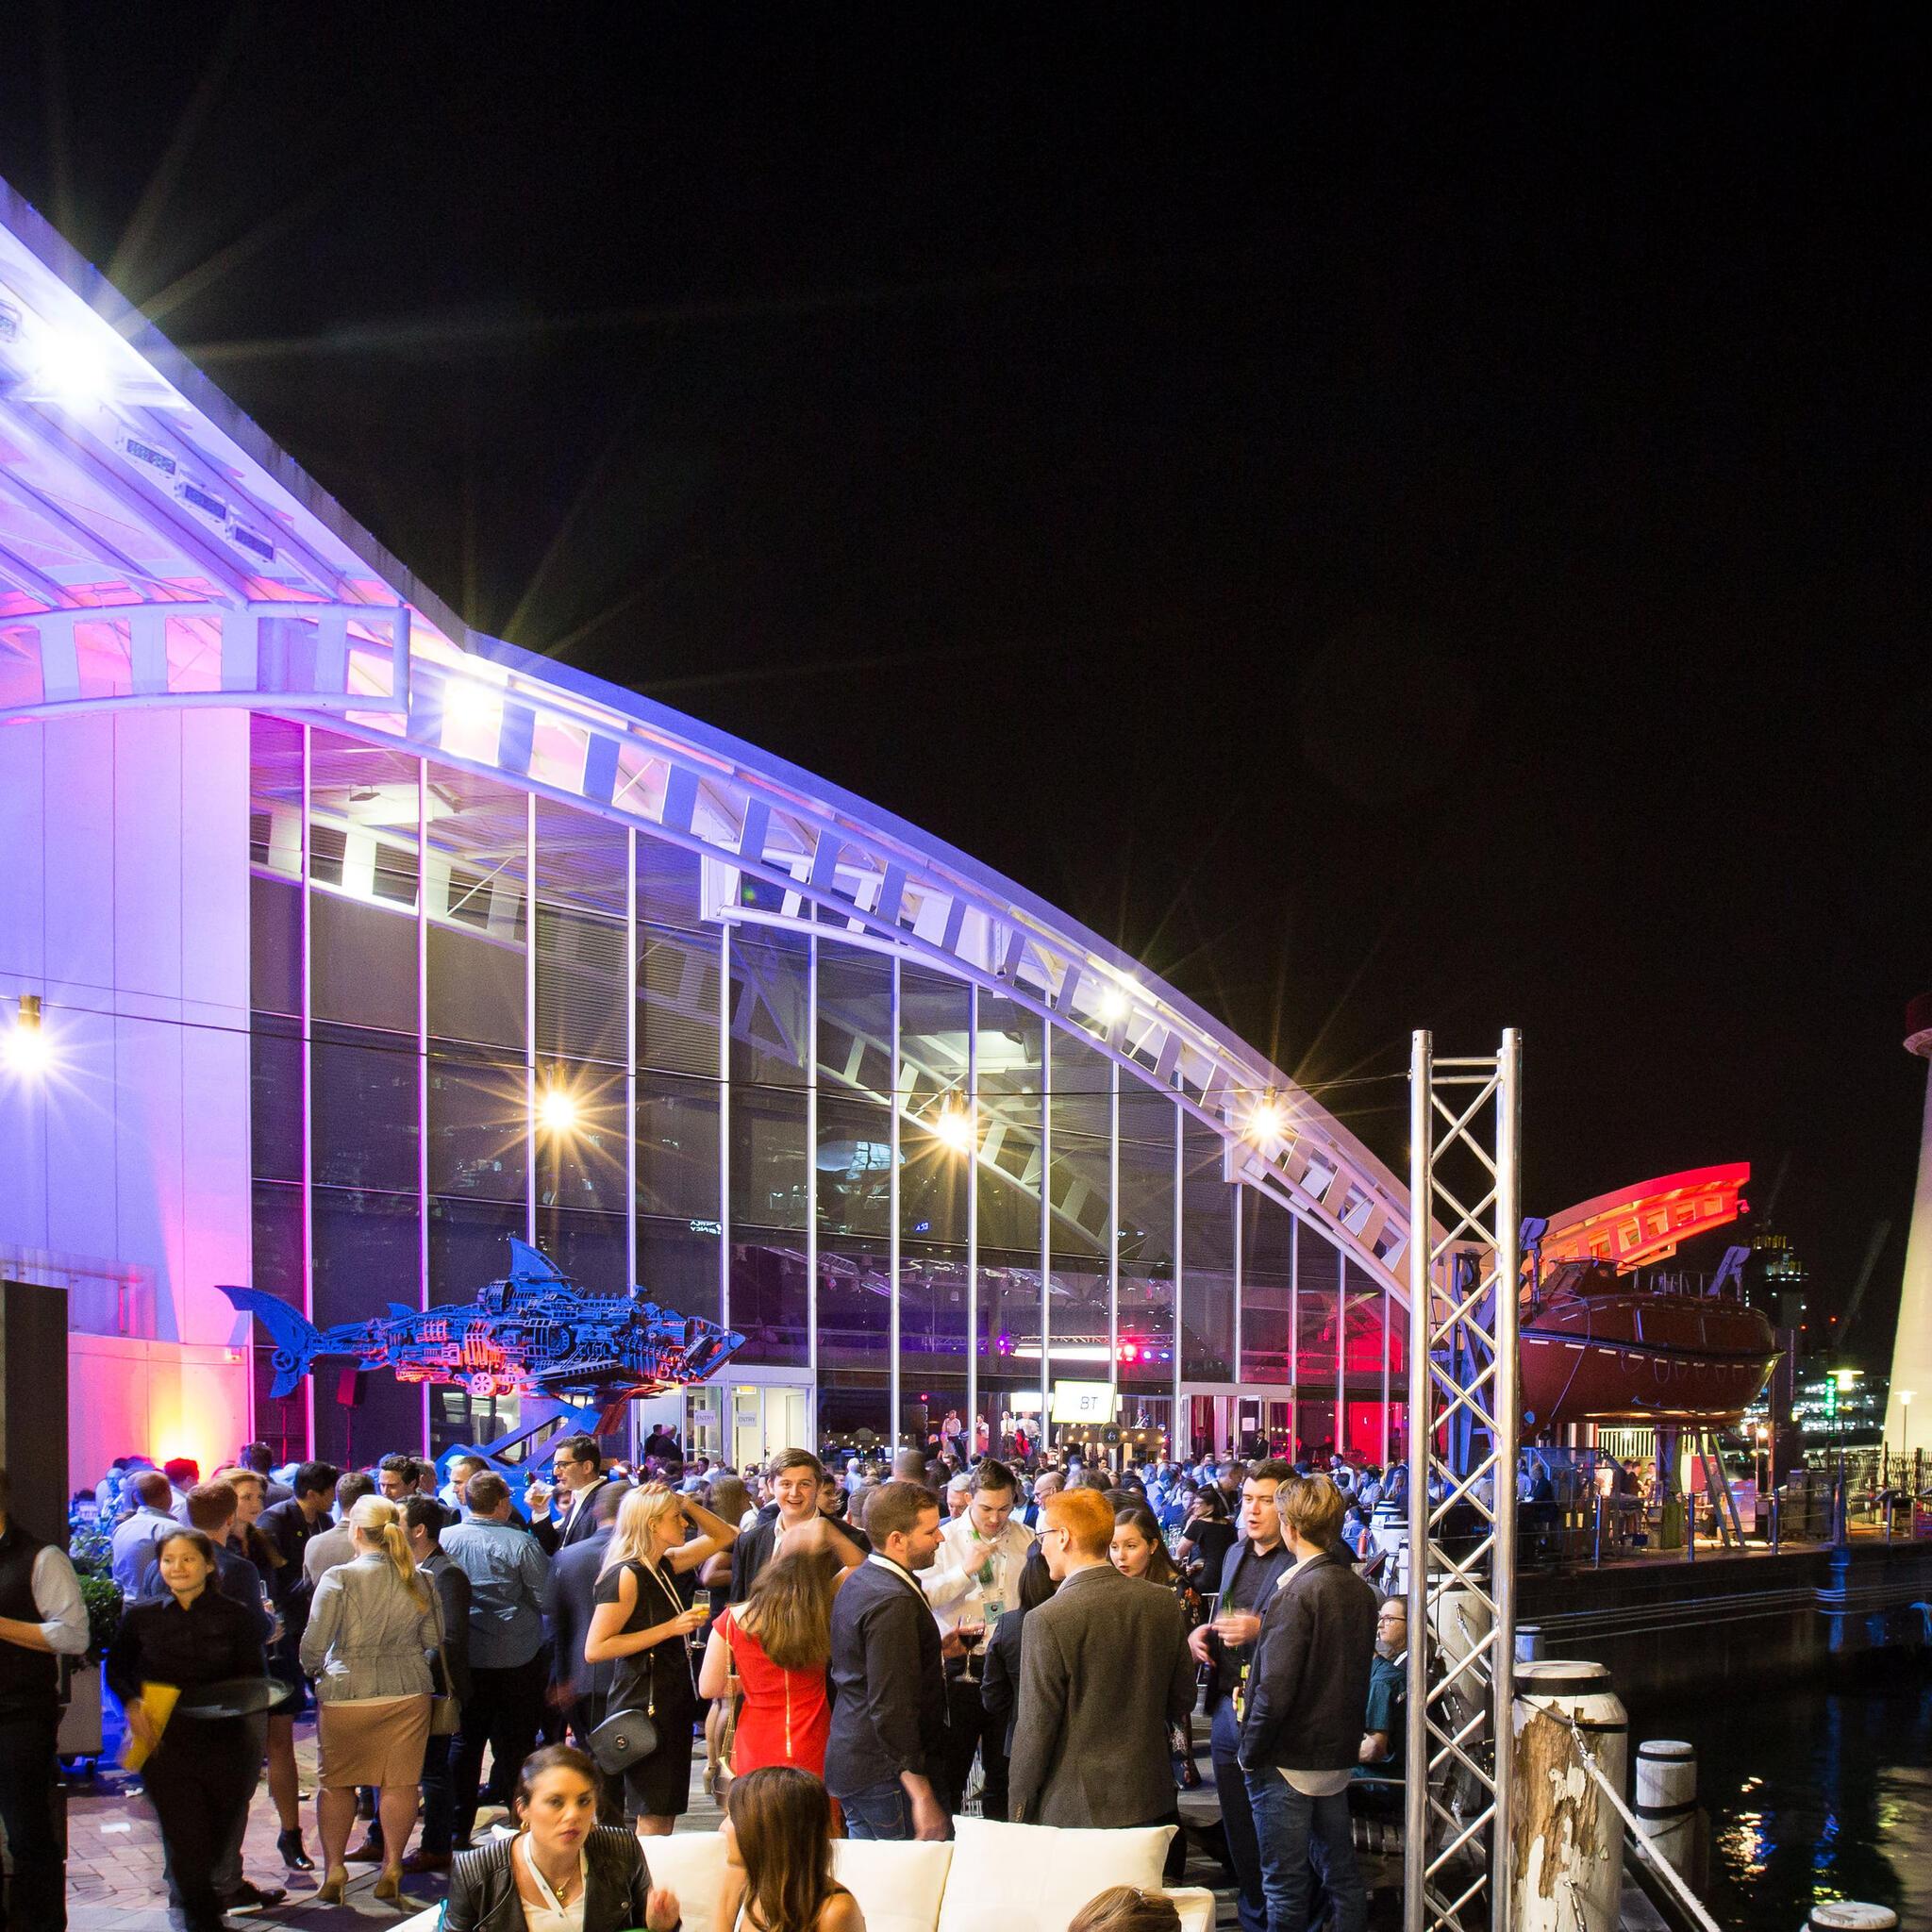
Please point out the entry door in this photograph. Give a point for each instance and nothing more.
(765, 1417)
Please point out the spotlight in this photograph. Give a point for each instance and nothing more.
(952, 1127)
(1269, 1121)
(27, 1052)
(1113, 1006)
(470, 705)
(557, 1111)
(71, 367)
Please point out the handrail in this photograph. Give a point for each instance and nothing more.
(1671, 1877)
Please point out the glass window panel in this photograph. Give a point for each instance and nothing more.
(932, 1311)
(1147, 1129)
(935, 1410)
(678, 1000)
(1080, 1070)
(1206, 1258)
(469, 1246)
(275, 957)
(363, 963)
(1365, 1354)
(933, 1013)
(852, 1411)
(580, 983)
(1008, 1323)
(770, 1302)
(853, 1157)
(769, 990)
(677, 1266)
(274, 1066)
(366, 1255)
(932, 1188)
(854, 1304)
(768, 1158)
(364, 1091)
(677, 1149)
(478, 1106)
(581, 1166)
(592, 1249)
(669, 889)
(1267, 1264)
(477, 990)
(1146, 1330)
(1078, 1336)
(1317, 1337)
(1397, 1317)
(855, 1021)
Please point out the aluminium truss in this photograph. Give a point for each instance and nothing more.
(1465, 1126)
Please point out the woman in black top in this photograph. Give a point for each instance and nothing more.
(641, 1625)
(1205, 1542)
(201, 1774)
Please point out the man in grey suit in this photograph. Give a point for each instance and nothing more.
(1104, 1670)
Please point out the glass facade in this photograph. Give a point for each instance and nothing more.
(481, 1013)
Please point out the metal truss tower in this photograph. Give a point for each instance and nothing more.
(1465, 1134)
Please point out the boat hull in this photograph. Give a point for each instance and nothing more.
(1642, 1358)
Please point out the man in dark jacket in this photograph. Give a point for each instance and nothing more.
(792, 1479)
(1302, 1736)
(1104, 1670)
(423, 1520)
(579, 1467)
(581, 1689)
(887, 1748)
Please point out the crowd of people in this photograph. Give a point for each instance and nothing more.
(856, 1651)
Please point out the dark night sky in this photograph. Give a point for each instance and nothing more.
(1398, 524)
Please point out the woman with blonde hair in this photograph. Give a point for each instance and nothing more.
(640, 1624)
(778, 1642)
(373, 1628)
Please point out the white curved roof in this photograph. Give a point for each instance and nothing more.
(157, 549)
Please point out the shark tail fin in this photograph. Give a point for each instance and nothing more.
(296, 1339)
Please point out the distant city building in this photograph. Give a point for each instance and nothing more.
(1777, 1278)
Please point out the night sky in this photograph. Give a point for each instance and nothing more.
(1396, 523)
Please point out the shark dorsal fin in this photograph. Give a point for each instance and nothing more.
(399, 1312)
(527, 1264)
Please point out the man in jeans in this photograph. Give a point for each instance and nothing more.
(508, 1575)
(1302, 1736)
(1250, 1572)
(885, 1761)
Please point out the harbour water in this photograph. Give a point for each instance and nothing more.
(1814, 1793)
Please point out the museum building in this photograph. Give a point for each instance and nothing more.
(338, 942)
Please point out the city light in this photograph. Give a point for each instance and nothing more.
(557, 1113)
(1113, 1006)
(1269, 1121)
(27, 1048)
(952, 1127)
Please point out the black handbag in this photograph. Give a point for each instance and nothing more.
(622, 1737)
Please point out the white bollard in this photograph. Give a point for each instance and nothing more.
(1667, 1799)
(1567, 1861)
(1846, 1915)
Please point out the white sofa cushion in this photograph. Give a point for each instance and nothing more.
(1035, 1877)
(1196, 1904)
(692, 1864)
(899, 1887)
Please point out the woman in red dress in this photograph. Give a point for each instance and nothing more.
(778, 1641)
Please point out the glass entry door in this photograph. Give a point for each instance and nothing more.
(765, 1417)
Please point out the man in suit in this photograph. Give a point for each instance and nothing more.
(886, 1758)
(1302, 1736)
(793, 1478)
(1104, 1672)
(582, 1690)
(579, 1466)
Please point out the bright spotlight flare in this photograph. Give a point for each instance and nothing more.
(1269, 1120)
(952, 1127)
(27, 1052)
(557, 1113)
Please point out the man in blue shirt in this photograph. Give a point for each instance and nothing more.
(508, 1574)
(134, 1540)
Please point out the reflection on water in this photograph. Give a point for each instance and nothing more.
(1813, 1794)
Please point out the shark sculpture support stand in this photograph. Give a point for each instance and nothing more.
(535, 1334)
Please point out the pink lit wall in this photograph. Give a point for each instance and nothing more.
(123, 904)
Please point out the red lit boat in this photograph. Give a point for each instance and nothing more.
(1599, 1342)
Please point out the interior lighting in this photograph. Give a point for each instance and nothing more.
(952, 1127)
(557, 1113)
(469, 705)
(1269, 1121)
(27, 1052)
(1113, 1006)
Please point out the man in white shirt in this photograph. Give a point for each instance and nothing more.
(974, 1580)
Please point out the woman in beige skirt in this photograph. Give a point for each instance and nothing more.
(372, 1631)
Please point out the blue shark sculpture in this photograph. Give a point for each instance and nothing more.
(533, 1332)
